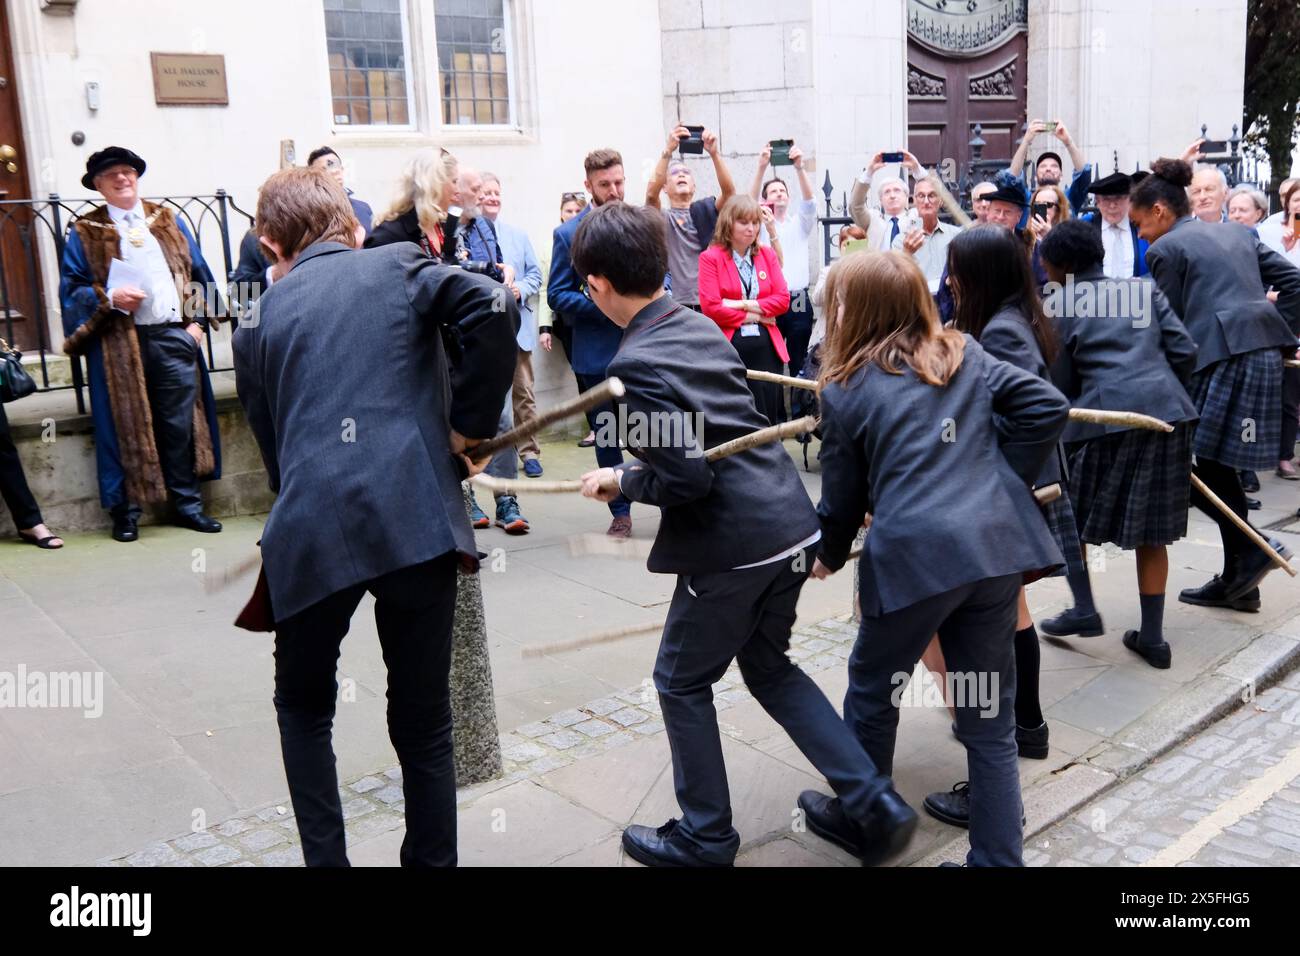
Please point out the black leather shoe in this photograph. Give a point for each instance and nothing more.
(198, 521)
(951, 807)
(1157, 655)
(125, 528)
(1073, 621)
(1031, 742)
(655, 847)
(1253, 504)
(1214, 593)
(886, 831)
(1252, 569)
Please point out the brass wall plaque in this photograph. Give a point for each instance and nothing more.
(189, 79)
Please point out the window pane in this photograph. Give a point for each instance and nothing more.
(367, 58)
(473, 60)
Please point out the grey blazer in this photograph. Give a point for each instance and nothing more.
(1136, 358)
(343, 375)
(1215, 276)
(1009, 337)
(944, 472)
(678, 366)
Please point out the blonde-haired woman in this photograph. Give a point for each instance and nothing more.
(425, 192)
(940, 442)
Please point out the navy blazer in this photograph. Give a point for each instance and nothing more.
(595, 338)
(679, 369)
(1140, 245)
(1137, 358)
(345, 381)
(1010, 338)
(1215, 275)
(365, 215)
(944, 472)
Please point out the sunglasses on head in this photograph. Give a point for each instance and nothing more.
(573, 197)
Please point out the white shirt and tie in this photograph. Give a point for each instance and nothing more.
(162, 302)
(893, 229)
(1117, 239)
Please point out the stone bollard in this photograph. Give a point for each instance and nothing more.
(473, 706)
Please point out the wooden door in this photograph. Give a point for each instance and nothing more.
(947, 95)
(20, 313)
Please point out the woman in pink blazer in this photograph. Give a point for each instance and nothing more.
(742, 289)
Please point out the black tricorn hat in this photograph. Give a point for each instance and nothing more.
(1116, 184)
(108, 158)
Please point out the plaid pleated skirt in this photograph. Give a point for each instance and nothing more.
(1132, 488)
(1060, 521)
(1240, 401)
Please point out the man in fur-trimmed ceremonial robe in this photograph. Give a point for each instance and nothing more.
(141, 331)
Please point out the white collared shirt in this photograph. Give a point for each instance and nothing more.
(933, 254)
(795, 230)
(163, 302)
(1118, 243)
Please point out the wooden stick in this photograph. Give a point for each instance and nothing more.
(606, 391)
(607, 637)
(1126, 419)
(220, 580)
(1244, 527)
(949, 201)
(764, 436)
(757, 376)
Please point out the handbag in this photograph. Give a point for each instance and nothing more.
(15, 383)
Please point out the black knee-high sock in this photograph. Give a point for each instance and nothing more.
(1223, 481)
(1081, 588)
(1029, 713)
(1153, 618)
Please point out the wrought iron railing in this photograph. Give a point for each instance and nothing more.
(42, 224)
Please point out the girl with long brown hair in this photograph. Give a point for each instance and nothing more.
(938, 441)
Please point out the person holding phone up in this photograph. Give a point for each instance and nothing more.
(795, 222)
(1048, 170)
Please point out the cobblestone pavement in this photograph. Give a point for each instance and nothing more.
(1230, 796)
(373, 804)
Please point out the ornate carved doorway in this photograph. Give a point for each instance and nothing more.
(966, 64)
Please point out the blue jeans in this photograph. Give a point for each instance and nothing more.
(976, 624)
(505, 463)
(607, 455)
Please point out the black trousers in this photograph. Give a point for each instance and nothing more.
(976, 624)
(170, 355)
(796, 328)
(758, 352)
(745, 615)
(413, 611)
(13, 482)
(608, 454)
